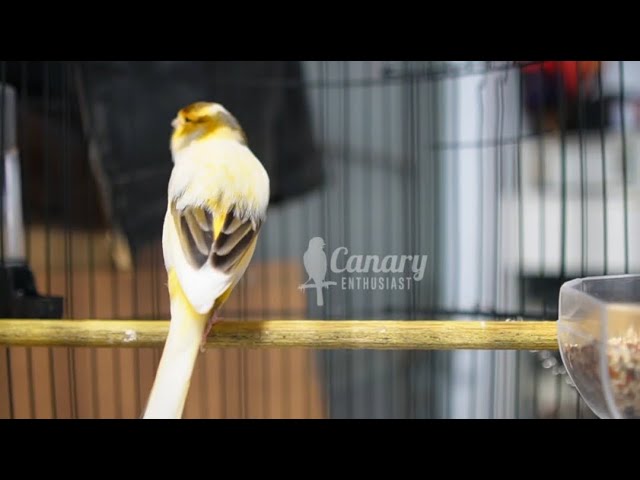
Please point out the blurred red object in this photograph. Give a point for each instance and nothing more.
(562, 95)
(570, 72)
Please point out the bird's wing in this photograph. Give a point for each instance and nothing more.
(315, 262)
(214, 249)
(321, 264)
(307, 261)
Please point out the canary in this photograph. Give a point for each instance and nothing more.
(218, 196)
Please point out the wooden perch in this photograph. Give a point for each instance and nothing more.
(334, 334)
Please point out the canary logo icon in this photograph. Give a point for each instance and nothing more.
(315, 263)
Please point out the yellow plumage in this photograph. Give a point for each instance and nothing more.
(217, 200)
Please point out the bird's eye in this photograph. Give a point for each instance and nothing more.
(187, 119)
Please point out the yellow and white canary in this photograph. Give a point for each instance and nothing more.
(217, 203)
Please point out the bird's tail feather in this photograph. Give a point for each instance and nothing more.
(173, 378)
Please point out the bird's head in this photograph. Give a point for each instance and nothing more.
(316, 243)
(202, 120)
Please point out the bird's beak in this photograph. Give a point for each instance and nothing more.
(175, 122)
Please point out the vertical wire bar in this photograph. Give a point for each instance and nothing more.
(68, 218)
(387, 213)
(156, 254)
(242, 299)
(90, 270)
(46, 80)
(265, 288)
(3, 107)
(244, 361)
(583, 176)
(224, 351)
(25, 153)
(242, 352)
(47, 175)
(584, 200)
(503, 385)
(204, 394)
(420, 161)
(563, 175)
(117, 357)
(625, 183)
(415, 230)
(427, 108)
(155, 297)
(3, 117)
(436, 357)
(244, 407)
(482, 87)
(480, 277)
(155, 300)
(496, 199)
(542, 175)
(306, 209)
(434, 233)
(68, 113)
(285, 253)
(24, 138)
(140, 395)
(536, 377)
(455, 207)
(498, 191)
(536, 366)
(264, 314)
(603, 164)
(436, 116)
(346, 223)
(66, 198)
(308, 372)
(324, 205)
(542, 186)
(412, 151)
(578, 406)
(440, 221)
(406, 139)
(204, 376)
(558, 390)
(407, 172)
(368, 188)
(521, 292)
(563, 140)
(136, 314)
(90, 204)
(367, 160)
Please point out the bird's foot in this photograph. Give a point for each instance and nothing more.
(215, 318)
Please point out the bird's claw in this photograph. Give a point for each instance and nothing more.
(215, 318)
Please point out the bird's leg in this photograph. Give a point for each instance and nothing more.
(215, 318)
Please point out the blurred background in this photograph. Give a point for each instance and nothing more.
(512, 177)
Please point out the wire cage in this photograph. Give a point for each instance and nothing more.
(436, 190)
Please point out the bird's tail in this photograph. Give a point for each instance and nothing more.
(173, 378)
